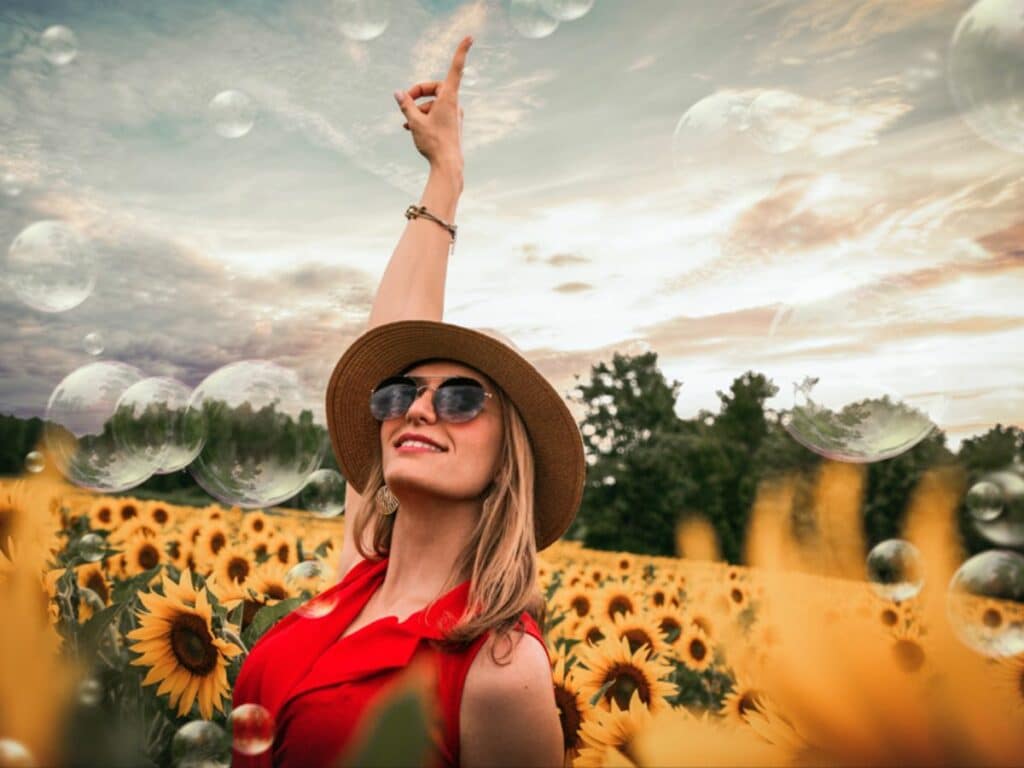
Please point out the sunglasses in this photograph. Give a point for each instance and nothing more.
(456, 398)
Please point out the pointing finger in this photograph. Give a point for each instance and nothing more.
(454, 78)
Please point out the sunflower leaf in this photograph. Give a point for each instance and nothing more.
(601, 692)
(266, 617)
(91, 634)
(125, 590)
(238, 614)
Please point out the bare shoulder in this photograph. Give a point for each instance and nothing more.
(508, 715)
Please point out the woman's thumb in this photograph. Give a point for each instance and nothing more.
(401, 97)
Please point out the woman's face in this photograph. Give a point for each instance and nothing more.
(469, 459)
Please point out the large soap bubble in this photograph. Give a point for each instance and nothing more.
(894, 568)
(232, 113)
(50, 267)
(261, 444)
(986, 71)
(324, 494)
(566, 10)
(528, 18)
(362, 19)
(149, 423)
(985, 603)
(79, 428)
(996, 507)
(59, 44)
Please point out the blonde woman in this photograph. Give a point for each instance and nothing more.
(462, 462)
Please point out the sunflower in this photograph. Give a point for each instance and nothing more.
(177, 549)
(255, 524)
(908, 648)
(176, 641)
(659, 593)
(613, 730)
(283, 550)
(572, 706)
(269, 582)
(141, 553)
(695, 649)
(629, 672)
(1011, 677)
(576, 600)
(233, 565)
(624, 564)
(193, 530)
(213, 512)
(134, 527)
(590, 630)
(158, 514)
(640, 631)
(613, 598)
(741, 700)
(670, 621)
(126, 509)
(101, 515)
(91, 577)
(213, 538)
(738, 598)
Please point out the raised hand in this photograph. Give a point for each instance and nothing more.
(437, 125)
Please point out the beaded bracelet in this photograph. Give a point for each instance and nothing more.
(415, 211)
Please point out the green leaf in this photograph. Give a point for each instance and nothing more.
(236, 617)
(601, 692)
(398, 735)
(91, 633)
(266, 617)
(127, 589)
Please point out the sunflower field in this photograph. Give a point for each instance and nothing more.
(127, 621)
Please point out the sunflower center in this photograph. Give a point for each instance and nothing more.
(594, 635)
(260, 550)
(104, 515)
(581, 605)
(192, 644)
(698, 650)
(95, 582)
(736, 595)
(257, 525)
(238, 569)
(275, 592)
(282, 553)
(889, 617)
(619, 604)
(217, 542)
(670, 627)
(160, 515)
(909, 655)
(627, 680)
(568, 715)
(659, 597)
(128, 511)
(748, 702)
(148, 557)
(637, 638)
(174, 549)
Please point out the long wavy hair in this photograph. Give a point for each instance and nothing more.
(500, 558)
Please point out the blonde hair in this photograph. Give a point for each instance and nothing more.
(500, 558)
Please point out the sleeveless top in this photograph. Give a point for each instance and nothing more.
(317, 687)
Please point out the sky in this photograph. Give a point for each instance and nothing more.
(816, 188)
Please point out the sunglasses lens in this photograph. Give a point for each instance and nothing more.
(390, 400)
(459, 400)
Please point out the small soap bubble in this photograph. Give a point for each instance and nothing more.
(50, 266)
(985, 603)
(985, 501)
(59, 45)
(529, 19)
(312, 577)
(199, 741)
(90, 692)
(233, 113)
(93, 343)
(566, 10)
(92, 547)
(252, 729)
(324, 494)
(894, 568)
(362, 19)
(11, 184)
(14, 754)
(34, 462)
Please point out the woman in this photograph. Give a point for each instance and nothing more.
(462, 462)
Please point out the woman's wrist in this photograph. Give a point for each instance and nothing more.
(450, 170)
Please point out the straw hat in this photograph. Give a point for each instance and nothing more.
(389, 349)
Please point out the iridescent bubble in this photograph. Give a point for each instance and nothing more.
(261, 444)
(1003, 526)
(90, 692)
(150, 423)
(34, 462)
(779, 121)
(14, 754)
(529, 19)
(59, 45)
(715, 156)
(252, 729)
(986, 71)
(895, 570)
(92, 547)
(324, 494)
(78, 429)
(50, 267)
(362, 19)
(985, 603)
(985, 501)
(199, 743)
(233, 113)
(93, 343)
(566, 10)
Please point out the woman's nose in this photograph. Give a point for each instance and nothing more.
(423, 405)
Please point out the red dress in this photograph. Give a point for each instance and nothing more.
(317, 686)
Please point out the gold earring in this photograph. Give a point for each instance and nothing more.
(387, 499)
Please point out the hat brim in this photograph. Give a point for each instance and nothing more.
(387, 349)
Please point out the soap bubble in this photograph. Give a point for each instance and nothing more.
(324, 493)
(986, 71)
(779, 121)
(313, 577)
(59, 45)
(362, 19)
(14, 754)
(78, 429)
(34, 462)
(92, 547)
(894, 568)
(11, 184)
(566, 10)
(530, 20)
(200, 742)
(985, 603)
(149, 423)
(252, 729)
(715, 155)
(50, 267)
(93, 343)
(90, 692)
(261, 444)
(233, 113)
(999, 511)
(985, 501)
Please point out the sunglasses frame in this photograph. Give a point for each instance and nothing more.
(417, 381)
